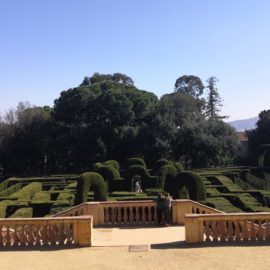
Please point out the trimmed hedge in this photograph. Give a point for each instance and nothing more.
(112, 163)
(136, 161)
(109, 173)
(3, 208)
(140, 171)
(27, 192)
(7, 192)
(166, 174)
(178, 166)
(193, 183)
(90, 180)
(25, 212)
(161, 162)
(97, 166)
(41, 197)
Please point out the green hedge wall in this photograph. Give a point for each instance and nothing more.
(25, 212)
(27, 192)
(136, 161)
(93, 180)
(112, 163)
(192, 182)
(166, 174)
(109, 173)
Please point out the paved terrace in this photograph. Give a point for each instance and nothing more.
(111, 250)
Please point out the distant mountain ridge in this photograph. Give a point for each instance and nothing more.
(245, 124)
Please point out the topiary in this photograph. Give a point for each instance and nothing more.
(93, 180)
(109, 173)
(192, 182)
(112, 163)
(136, 161)
(138, 170)
(97, 165)
(161, 162)
(166, 174)
(178, 165)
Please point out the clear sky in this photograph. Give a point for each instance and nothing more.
(49, 45)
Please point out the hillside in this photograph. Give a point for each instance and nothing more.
(245, 124)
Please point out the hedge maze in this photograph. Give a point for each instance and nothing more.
(230, 190)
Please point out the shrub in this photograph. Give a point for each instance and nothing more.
(161, 162)
(136, 161)
(97, 166)
(27, 192)
(178, 166)
(90, 180)
(192, 182)
(41, 196)
(112, 163)
(3, 208)
(25, 212)
(7, 192)
(166, 174)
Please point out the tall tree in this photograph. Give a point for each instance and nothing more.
(189, 84)
(213, 101)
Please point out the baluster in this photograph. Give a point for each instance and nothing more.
(131, 215)
(223, 231)
(230, 231)
(128, 215)
(44, 235)
(106, 215)
(53, 234)
(245, 234)
(69, 234)
(61, 234)
(215, 231)
(253, 232)
(207, 231)
(23, 238)
(31, 238)
(237, 231)
(260, 231)
(137, 215)
(147, 214)
(143, 214)
(119, 215)
(125, 216)
(38, 235)
(15, 236)
(113, 218)
(8, 237)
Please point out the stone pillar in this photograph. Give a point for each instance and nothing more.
(85, 231)
(93, 210)
(194, 230)
(179, 209)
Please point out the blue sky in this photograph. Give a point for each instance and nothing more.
(49, 46)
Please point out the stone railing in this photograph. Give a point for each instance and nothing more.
(227, 228)
(54, 231)
(127, 213)
(135, 212)
(182, 207)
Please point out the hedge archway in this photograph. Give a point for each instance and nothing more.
(192, 182)
(90, 180)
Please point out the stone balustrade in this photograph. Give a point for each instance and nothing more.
(54, 231)
(227, 228)
(135, 212)
(182, 207)
(126, 213)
